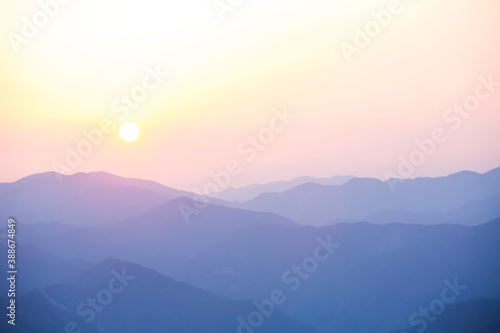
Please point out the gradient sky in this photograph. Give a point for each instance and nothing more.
(226, 77)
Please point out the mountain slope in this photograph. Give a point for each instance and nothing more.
(249, 192)
(475, 316)
(376, 278)
(81, 199)
(472, 213)
(162, 229)
(128, 298)
(362, 197)
(40, 269)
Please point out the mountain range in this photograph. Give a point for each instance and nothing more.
(365, 261)
(466, 197)
(120, 297)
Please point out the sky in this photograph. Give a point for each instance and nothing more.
(283, 89)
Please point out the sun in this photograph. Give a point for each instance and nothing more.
(129, 132)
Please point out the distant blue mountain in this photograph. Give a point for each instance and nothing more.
(121, 297)
(163, 230)
(362, 198)
(40, 269)
(81, 199)
(100, 198)
(472, 213)
(249, 192)
(378, 276)
(374, 281)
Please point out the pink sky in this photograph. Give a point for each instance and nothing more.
(226, 78)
